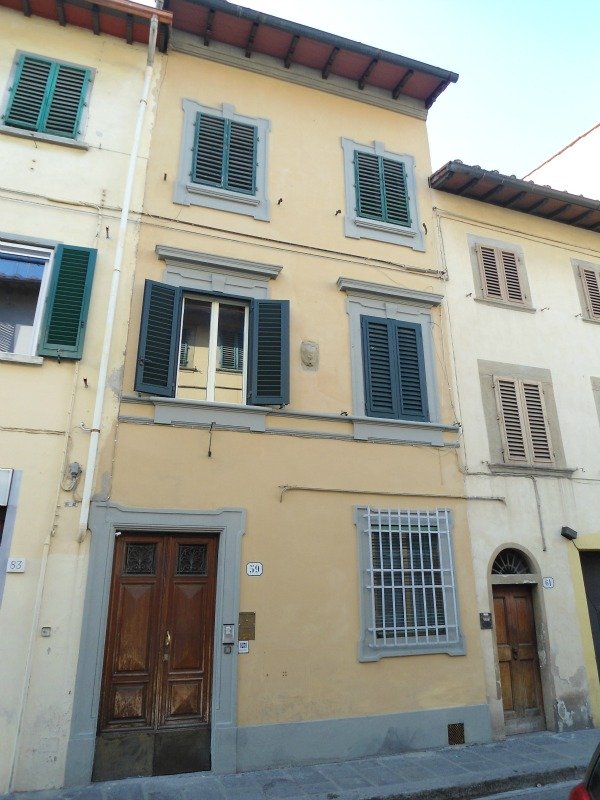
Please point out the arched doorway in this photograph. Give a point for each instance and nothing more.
(513, 582)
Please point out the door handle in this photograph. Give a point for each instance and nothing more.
(168, 639)
(515, 652)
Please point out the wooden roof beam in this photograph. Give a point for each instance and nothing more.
(291, 50)
(251, 38)
(330, 60)
(402, 83)
(362, 81)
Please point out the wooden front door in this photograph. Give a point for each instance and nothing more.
(518, 659)
(156, 686)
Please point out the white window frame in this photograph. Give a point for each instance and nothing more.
(187, 192)
(380, 525)
(12, 248)
(212, 368)
(357, 227)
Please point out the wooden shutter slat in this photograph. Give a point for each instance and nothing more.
(512, 421)
(241, 158)
(380, 398)
(68, 302)
(591, 284)
(66, 101)
(514, 291)
(537, 422)
(28, 93)
(413, 393)
(369, 199)
(489, 272)
(395, 193)
(159, 345)
(268, 369)
(209, 150)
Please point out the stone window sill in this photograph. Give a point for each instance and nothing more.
(43, 137)
(17, 358)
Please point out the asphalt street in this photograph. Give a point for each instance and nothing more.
(556, 791)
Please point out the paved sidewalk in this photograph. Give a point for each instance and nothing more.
(454, 773)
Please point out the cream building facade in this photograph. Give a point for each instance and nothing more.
(282, 572)
(523, 276)
(69, 108)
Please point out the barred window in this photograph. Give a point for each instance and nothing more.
(408, 592)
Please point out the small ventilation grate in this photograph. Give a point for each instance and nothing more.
(456, 733)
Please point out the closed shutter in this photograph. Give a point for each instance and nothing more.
(513, 434)
(524, 422)
(500, 274)
(28, 93)
(68, 301)
(268, 370)
(539, 433)
(225, 154)
(66, 101)
(381, 395)
(241, 158)
(413, 391)
(381, 189)
(591, 286)
(158, 350)
(394, 369)
(47, 97)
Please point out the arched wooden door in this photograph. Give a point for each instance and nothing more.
(156, 686)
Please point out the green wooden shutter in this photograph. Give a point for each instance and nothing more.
(47, 96)
(369, 199)
(395, 192)
(209, 150)
(394, 369)
(381, 396)
(28, 94)
(411, 370)
(158, 350)
(381, 189)
(66, 101)
(68, 301)
(268, 370)
(241, 158)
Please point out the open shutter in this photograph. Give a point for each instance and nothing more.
(490, 275)
(68, 87)
(207, 164)
(395, 192)
(241, 158)
(514, 292)
(381, 397)
(28, 94)
(539, 433)
(68, 301)
(411, 368)
(369, 195)
(158, 350)
(511, 419)
(591, 285)
(268, 370)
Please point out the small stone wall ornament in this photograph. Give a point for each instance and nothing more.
(309, 354)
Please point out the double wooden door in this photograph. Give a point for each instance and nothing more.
(156, 687)
(518, 659)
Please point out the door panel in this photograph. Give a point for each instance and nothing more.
(518, 659)
(155, 698)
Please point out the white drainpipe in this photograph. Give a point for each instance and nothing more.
(114, 289)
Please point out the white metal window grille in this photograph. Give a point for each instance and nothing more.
(410, 579)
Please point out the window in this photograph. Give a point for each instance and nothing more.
(524, 422)
(213, 348)
(46, 96)
(500, 274)
(394, 370)
(44, 300)
(408, 593)
(589, 282)
(380, 195)
(223, 160)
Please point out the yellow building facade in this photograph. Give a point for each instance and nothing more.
(69, 107)
(282, 573)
